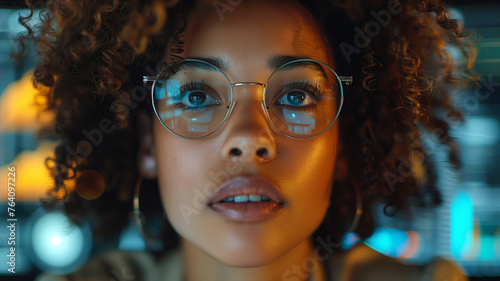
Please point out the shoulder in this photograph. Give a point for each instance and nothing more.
(112, 265)
(441, 269)
(364, 263)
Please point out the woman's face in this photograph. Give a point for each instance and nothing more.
(247, 149)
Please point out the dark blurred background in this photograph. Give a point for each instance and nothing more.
(465, 228)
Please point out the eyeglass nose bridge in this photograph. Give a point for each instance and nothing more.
(257, 84)
(248, 83)
(261, 102)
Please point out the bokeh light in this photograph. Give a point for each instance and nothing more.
(57, 244)
(462, 225)
(89, 184)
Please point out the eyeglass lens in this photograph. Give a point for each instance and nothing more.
(302, 99)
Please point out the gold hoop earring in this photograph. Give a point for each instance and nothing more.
(137, 214)
(359, 210)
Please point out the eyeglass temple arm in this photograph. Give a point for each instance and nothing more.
(346, 79)
(146, 79)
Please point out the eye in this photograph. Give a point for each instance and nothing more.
(198, 99)
(196, 95)
(299, 94)
(296, 98)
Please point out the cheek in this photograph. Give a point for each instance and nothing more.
(310, 178)
(181, 169)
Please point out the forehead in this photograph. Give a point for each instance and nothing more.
(252, 32)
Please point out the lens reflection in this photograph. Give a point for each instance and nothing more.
(194, 101)
(319, 106)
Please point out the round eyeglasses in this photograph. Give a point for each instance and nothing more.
(301, 99)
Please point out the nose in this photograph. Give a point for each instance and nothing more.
(244, 147)
(248, 134)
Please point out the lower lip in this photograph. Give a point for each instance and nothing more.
(246, 212)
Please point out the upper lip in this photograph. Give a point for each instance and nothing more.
(246, 185)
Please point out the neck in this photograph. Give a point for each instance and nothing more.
(297, 264)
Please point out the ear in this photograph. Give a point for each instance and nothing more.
(147, 153)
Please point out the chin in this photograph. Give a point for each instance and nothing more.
(253, 258)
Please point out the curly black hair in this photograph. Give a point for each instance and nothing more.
(93, 54)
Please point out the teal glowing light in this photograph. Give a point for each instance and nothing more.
(131, 239)
(349, 240)
(56, 243)
(487, 248)
(461, 225)
(389, 241)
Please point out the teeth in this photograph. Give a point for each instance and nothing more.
(247, 198)
(240, 198)
(255, 197)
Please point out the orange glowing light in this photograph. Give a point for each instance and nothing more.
(413, 245)
(18, 110)
(89, 184)
(32, 178)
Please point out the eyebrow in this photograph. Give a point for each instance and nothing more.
(273, 63)
(215, 61)
(279, 61)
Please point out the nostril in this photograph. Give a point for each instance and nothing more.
(248, 148)
(235, 152)
(262, 152)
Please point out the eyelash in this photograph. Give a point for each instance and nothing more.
(191, 86)
(307, 87)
